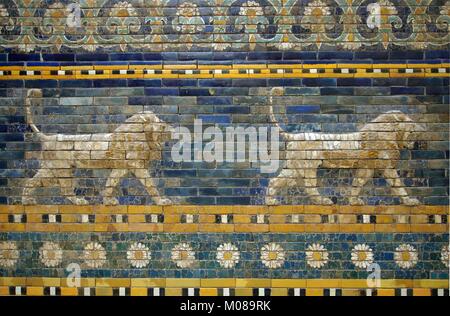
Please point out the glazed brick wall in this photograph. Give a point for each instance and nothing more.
(224, 61)
(338, 105)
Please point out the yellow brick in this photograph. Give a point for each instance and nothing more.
(112, 282)
(4, 291)
(350, 292)
(398, 283)
(441, 284)
(323, 283)
(386, 292)
(243, 292)
(208, 292)
(321, 209)
(421, 292)
(181, 228)
(253, 228)
(227, 283)
(138, 291)
(35, 291)
(289, 283)
(279, 292)
(76, 209)
(145, 209)
(103, 291)
(241, 219)
(287, 228)
(252, 283)
(429, 228)
(216, 228)
(314, 292)
(147, 282)
(69, 291)
(44, 281)
(173, 292)
(392, 228)
(183, 283)
(353, 283)
(132, 227)
(13, 281)
(360, 228)
(284, 209)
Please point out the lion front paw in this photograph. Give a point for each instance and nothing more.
(356, 201)
(110, 201)
(163, 201)
(29, 201)
(410, 201)
(77, 201)
(272, 201)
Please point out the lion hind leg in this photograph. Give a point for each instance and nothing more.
(311, 185)
(148, 182)
(287, 178)
(397, 187)
(43, 178)
(360, 179)
(113, 181)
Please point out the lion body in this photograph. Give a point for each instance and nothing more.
(375, 147)
(128, 149)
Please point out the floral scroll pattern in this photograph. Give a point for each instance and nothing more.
(223, 25)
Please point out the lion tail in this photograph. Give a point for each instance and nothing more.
(32, 94)
(277, 91)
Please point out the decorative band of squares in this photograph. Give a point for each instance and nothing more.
(224, 219)
(219, 287)
(239, 255)
(315, 70)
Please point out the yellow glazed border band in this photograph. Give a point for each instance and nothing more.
(37, 286)
(224, 219)
(235, 71)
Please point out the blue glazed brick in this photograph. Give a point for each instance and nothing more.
(162, 91)
(92, 57)
(319, 82)
(408, 54)
(229, 55)
(214, 100)
(110, 83)
(372, 55)
(249, 83)
(41, 83)
(152, 56)
(214, 83)
(215, 118)
(126, 56)
(335, 55)
(76, 83)
(265, 55)
(337, 91)
(437, 90)
(407, 90)
(24, 57)
(437, 54)
(144, 82)
(11, 84)
(194, 92)
(58, 57)
(354, 82)
(299, 55)
(303, 109)
(179, 82)
(195, 56)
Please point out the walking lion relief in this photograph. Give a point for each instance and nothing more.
(128, 149)
(376, 146)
